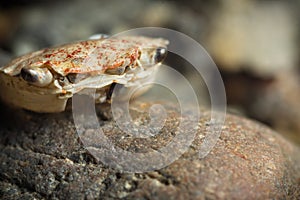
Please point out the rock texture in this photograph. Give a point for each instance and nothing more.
(41, 157)
(252, 42)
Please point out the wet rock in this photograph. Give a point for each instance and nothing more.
(42, 157)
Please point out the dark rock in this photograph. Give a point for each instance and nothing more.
(42, 157)
(277, 101)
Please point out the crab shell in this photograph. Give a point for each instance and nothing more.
(91, 59)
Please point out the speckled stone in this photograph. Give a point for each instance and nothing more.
(41, 157)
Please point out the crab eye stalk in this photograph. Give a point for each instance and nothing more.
(160, 54)
(39, 77)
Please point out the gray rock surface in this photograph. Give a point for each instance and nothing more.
(41, 157)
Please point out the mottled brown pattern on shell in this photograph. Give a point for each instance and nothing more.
(86, 56)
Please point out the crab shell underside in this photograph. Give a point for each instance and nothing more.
(90, 58)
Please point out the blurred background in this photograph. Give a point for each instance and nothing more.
(255, 44)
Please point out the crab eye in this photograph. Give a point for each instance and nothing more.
(39, 76)
(160, 54)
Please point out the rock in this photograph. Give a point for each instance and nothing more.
(271, 101)
(254, 36)
(280, 100)
(42, 157)
(253, 44)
